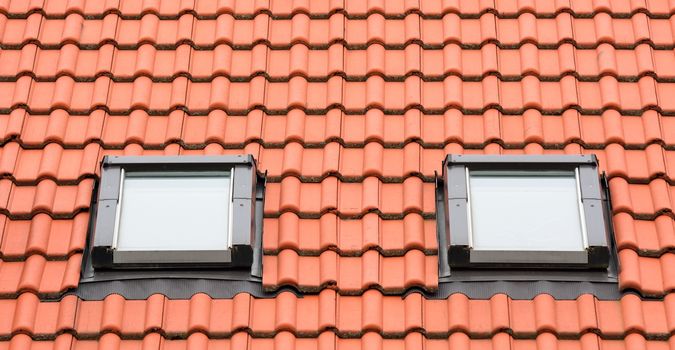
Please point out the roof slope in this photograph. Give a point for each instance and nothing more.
(350, 106)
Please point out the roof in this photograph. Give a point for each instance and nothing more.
(350, 106)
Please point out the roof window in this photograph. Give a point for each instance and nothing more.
(524, 211)
(173, 214)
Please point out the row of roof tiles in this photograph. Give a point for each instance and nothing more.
(648, 276)
(375, 28)
(317, 65)
(647, 272)
(551, 97)
(349, 275)
(392, 130)
(329, 341)
(321, 8)
(312, 164)
(60, 238)
(347, 316)
(349, 199)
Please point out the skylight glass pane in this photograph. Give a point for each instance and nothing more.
(182, 212)
(525, 212)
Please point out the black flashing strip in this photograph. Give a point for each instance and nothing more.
(173, 288)
(185, 288)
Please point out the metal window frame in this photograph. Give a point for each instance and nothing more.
(457, 222)
(172, 256)
(243, 222)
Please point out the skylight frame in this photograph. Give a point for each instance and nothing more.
(457, 201)
(242, 220)
(177, 256)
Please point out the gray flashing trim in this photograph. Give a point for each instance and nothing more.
(110, 184)
(596, 230)
(243, 159)
(527, 290)
(533, 274)
(536, 159)
(460, 222)
(172, 256)
(528, 257)
(458, 190)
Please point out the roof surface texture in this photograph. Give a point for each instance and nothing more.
(350, 107)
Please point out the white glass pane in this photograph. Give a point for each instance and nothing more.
(174, 213)
(525, 212)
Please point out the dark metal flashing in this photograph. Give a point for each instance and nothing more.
(173, 288)
(185, 288)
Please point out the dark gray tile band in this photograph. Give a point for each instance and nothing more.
(173, 288)
(184, 288)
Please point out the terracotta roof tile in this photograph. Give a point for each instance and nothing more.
(327, 340)
(46, 197)
(38, 275)
(43, 235)
(433, 64)
(512, 97)
(357, 31)
(347, 316)
(432, 131)
(350, 237)
(354, 8)
(351, 274)
(350, 107)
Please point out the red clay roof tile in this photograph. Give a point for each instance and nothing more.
(54, 238)
(349, 237)
(348, 274)
(346, 316)
(354, 8)
(328, 340)
(350, 107)
(430, 130)
(513, 97)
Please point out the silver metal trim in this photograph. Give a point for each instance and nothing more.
(509, 172)
(469, 208)
(118, 211)
(529, 256)
(171, 256)
(171, 173)
(582, 215)
(230, 210)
